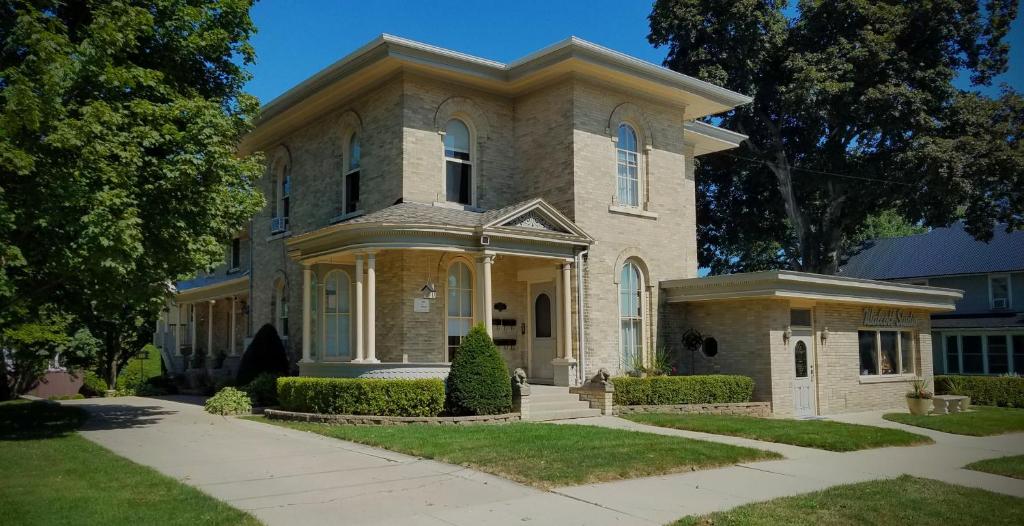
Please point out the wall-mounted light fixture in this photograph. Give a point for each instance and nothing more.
(429, 291)
(824, 335)
(788, 334)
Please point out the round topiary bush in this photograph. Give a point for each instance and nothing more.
(263, 390)
(264, 355)
(478, 383)
(229, 401)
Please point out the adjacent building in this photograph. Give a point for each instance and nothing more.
(985, 334)
(414, 191)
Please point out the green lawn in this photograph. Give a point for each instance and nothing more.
(50, 475)
(1006, 466)
(820, 434)
(544, 455)
(979, 421)
(905, 500)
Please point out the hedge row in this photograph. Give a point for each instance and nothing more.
(361, 396)
(671, 390)
(1005, 391)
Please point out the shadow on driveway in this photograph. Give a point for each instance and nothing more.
(121, 416)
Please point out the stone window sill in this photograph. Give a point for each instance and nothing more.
(630, 211)
(889, 378)
(279, 235)
(344, 217)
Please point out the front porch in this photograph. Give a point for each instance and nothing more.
(386, 300)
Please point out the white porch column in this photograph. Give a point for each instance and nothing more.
(231, 338)
(209, 329)
(487, 309)
(359, 309)
(190, 311)
(564, 365)
(371, 308)
(307, 322)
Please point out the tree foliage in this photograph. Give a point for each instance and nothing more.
(854, 113)
(118, 126)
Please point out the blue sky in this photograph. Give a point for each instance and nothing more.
(297, 38)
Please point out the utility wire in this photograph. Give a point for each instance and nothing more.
(809, 170)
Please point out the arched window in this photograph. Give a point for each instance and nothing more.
(631, 315)
(458, 163)
(542, 316)
(350, 182)
(281, 307)
(280, 190)
(628, 167)
(460, 305)
(337, 315)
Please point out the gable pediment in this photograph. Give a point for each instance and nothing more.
(537, 216)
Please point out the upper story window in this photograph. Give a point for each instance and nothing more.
(236, 254)
(999, 291)
(280, 192)
(458, 163)
(350, 178)
(628, 167)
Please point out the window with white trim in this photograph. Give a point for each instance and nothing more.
(981, 353)
(280, 194)
(999, 291)
(236, 254)
(631, 315)
(458, 161)
(350, 178)
(281, 307)
(627, 155)
(460, 305)
(336, 321)
(886, 352)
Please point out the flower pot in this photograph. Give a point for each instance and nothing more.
(919, 406)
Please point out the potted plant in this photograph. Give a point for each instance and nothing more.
(956, 385)
(919, 399)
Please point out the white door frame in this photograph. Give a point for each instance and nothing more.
(807, 337)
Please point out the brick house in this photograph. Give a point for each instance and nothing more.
(414, 191)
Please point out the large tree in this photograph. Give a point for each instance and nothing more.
(855, 113)
(119, 121)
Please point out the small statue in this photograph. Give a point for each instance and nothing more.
(601, 378)
(519, 377)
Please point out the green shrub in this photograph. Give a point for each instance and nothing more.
(263, 390)
(265, 354)
(362, 396)
(138, 371)
(76, 396)
(1003, 391)
(479, 383)
(92, 385)
(229, 401)
(672, 390)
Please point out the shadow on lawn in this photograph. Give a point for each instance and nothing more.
(39, 420)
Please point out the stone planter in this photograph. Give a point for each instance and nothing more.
(919, 406)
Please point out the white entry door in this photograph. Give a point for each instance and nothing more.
(542, 331)
(803, 379)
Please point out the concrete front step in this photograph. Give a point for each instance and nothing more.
(554, 405)
(562, 414)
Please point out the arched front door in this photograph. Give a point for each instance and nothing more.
(542, 332)
(803, 375)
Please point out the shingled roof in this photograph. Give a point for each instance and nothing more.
(425, 214)
(940, 252)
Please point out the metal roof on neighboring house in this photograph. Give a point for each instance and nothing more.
(1007, 320)
(940, 252)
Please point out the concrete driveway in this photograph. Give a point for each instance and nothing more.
(290, 477)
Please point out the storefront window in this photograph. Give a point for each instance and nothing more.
(886, 352)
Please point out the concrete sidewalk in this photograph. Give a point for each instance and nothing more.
(667, 498)
(284, 476)
(289, 477)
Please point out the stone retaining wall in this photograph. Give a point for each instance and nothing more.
(761, 409)
(372, 420)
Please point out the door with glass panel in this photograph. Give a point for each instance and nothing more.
(803, 375)
(336, 326)
(460, 306)
(542, 334)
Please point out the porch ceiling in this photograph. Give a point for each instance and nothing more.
(530, 228)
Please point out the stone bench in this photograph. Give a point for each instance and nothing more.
(945, 404)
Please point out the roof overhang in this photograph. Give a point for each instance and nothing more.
(706, 138)
(789, 285)
(387, 55)
(501, 233)
(220, 289)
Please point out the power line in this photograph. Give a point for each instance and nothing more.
(809, 170)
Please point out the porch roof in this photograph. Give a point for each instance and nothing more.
(784, 284)
(529, 227)
(211, 287)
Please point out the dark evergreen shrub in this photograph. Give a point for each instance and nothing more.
(264, 355)
(263, 390)
(478, 383)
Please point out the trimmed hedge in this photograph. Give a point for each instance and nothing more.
(361, 396)
(672, 390)
(479, 383)
(1003, 391)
